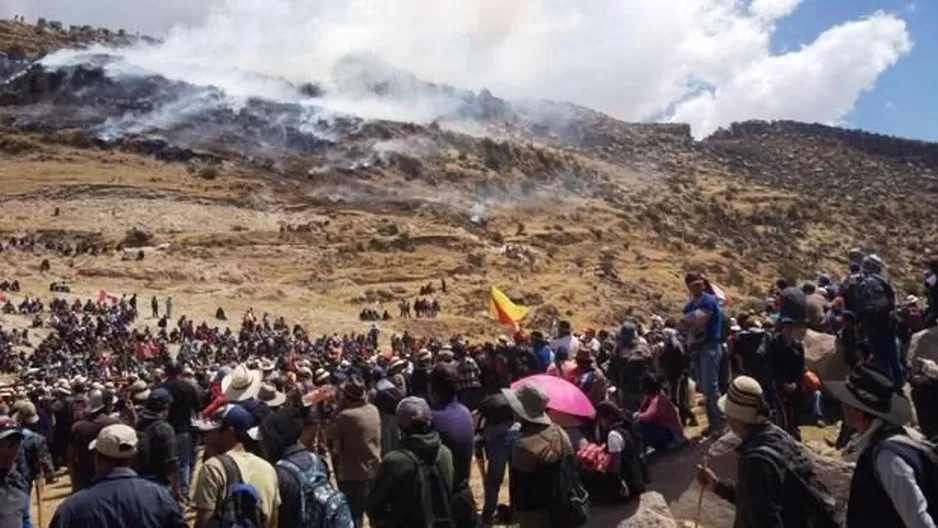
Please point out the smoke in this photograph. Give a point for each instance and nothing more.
(634, 59)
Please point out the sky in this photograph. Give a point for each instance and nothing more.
(870, 64)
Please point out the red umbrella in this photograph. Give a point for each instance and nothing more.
(563, 396)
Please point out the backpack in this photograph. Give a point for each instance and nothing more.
(814, 494)
(751, 349)
(321, 505)
(241, 507)
(922, 456)
(431, 496)
(144, 461)
(875, 299)
(570, 502)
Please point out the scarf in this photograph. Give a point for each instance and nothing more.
(859, 442)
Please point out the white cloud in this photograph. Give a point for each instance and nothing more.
(707, 62)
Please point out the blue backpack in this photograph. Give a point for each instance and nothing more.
(322, 506)
(242, 505)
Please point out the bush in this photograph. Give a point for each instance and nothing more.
(17, 145)
(209, 172)
(137, 237)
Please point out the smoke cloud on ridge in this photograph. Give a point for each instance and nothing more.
(705, 62)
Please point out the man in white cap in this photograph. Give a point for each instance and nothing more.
(119, 497)
(777, 484)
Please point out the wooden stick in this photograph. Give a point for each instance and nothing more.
(39, 502)
(700, 496)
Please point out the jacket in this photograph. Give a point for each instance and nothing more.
(768, 492)
(391, 498)
(355, 435)
(533, 462)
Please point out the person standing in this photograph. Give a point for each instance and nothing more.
(169, 307)
(893, 483)
(776, 482)
(155, 306)
(184, 405)
(119, 497)
(355, 436)
(702, 321)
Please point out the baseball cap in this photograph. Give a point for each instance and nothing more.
(9, 427)
(116, 441)
(411, 411)
(159, 400)
(231, 415)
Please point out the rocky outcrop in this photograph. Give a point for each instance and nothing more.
(821, 357)
(906, 150)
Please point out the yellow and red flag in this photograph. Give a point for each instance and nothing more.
(507, 312)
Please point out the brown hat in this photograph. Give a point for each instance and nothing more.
(354, 389)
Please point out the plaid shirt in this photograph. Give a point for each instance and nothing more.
(468, 375)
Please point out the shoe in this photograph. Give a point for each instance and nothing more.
(820, 421)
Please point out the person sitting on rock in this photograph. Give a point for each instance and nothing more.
(657, 419)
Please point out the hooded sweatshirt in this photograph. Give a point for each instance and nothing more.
(391, 499)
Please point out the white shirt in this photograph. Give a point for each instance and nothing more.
(898, 480)
(615, 443)
(569, 342)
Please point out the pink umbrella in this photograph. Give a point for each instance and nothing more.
(564, 396)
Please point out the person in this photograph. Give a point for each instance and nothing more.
(279, 438)
(536, 457)
(453, 421)
(776, 482)
(588, 377)
(14, 486)
(157, 455)
(562, 366)
(496, 435)
(889, 482)
(184, 405)
(657, 418)
(625, 475)
(702, 321)
(224, 434)
(355, 436)
(785, 359)
(119, 497)
(81, 469)
(396, 499)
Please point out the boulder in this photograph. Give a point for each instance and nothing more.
(924, 345)
(649, 511)
(821, 357)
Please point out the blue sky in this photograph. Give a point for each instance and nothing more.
(904, 101)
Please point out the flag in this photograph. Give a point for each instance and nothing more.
(507, 312)
(722, 298)
(106, 297)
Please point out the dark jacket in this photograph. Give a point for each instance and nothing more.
(392, 496)
(767, 492)
(157, 456)
(119, 500)
(534, 463)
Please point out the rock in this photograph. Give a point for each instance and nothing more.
(821, 357)
(924, 345)
(650, 511)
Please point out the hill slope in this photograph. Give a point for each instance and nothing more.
(315, 215)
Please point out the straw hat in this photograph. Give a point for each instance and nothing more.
(241, 384)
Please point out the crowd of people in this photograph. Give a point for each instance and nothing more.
(299, 430)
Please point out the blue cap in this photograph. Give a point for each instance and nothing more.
(231, 415)
(159, 399)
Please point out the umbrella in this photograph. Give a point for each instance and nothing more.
(562, 395)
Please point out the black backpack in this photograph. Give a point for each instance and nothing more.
(875, 300)
(431, 496)
(750, 347)
(570, 502)
(146, 456)
(812, 492)
(241, 507)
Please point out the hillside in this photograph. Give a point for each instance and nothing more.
(313, 215)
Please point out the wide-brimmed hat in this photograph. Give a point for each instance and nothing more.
(26, 413)
(270, 396)
(241, 384)
(744, 401)
(529, 403)
(873, 392)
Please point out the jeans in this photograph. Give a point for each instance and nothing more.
(498, 452)
(708, 358)
(186, 449)
(816, 404)
(27, 510)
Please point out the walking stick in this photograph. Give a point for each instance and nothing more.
(39, 503)
(700, 496)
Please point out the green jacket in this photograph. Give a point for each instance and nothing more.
(392, 495)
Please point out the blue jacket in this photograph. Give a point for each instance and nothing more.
(121, 499)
